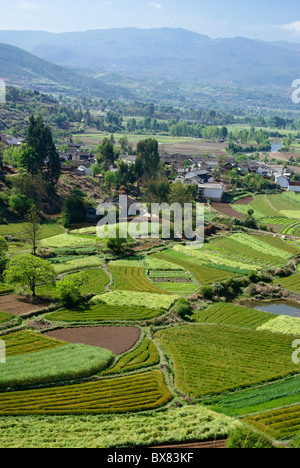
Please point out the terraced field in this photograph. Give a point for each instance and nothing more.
(286, 205)
(211, 359)
(202, 273)
(139, 392)
(256, 400)
(260, 250)
(136, 299)
(5, 317)
(231, 314)
(53, 365)
(5, 289)
(95, 283)
(279, 424)
(292, 283)
(25, 342)
(145, 355)
(105, 313)
(129, 278)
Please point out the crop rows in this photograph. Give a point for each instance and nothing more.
(52, 365)
(293, 229)
(280, 423)
(257, 400)
(132, 279)
(202, 273)
(136, 299)
(283, 324)
(292, 283)
(145, 355)
(277, 221)
(211, 359)
(95, 283)
(105, 312)
(6, 317)
(233, 315)
(5, 289)
(24, 342)
(242, 247)
(138, 392)
(179, 288)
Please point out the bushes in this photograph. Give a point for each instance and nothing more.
(69, 289)
(183, 309)
(246, 437)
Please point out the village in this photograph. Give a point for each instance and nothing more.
(208, 173)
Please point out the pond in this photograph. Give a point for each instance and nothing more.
(280, 308)
(275, 146)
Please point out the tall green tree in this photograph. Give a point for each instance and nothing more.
(39, 138)
(148, 158)
(29, 271)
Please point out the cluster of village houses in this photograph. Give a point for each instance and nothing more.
(197, 170)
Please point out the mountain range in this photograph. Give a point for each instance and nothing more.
(164, 53)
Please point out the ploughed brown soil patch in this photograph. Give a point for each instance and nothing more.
(227, 210)
(244, 201)
(116, 339)
(213, 444)
(18, 305)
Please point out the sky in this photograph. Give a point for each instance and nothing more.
(256, 19)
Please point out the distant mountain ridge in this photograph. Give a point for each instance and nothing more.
(172, 54)
(18, 67)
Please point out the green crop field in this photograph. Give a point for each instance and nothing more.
(105, 313)
(6, 317)
(138, 392)
(52, 365)
(24, 342)
(21, 229)
(292, 230)
(96, 281)
(130, 278)
(292, 283)
(256, 400)
(211, 359)
(208, 257)
(286, 205)
(179, 288)
(261, 250)
(136, 299)
(68, 240)
(145, 355)
(183, 425)
(283, 324)
(5, 289)
(78, 264)
(279, 424)
(202, 273)
(231, 314)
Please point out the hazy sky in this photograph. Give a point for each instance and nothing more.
(262, 19)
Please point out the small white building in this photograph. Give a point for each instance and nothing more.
(282, 180)
(213, 192)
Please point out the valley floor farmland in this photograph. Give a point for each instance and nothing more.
(131, 366)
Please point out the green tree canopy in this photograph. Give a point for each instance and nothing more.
(29, 271)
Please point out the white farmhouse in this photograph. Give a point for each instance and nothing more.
(282, 180)
(213, 192)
